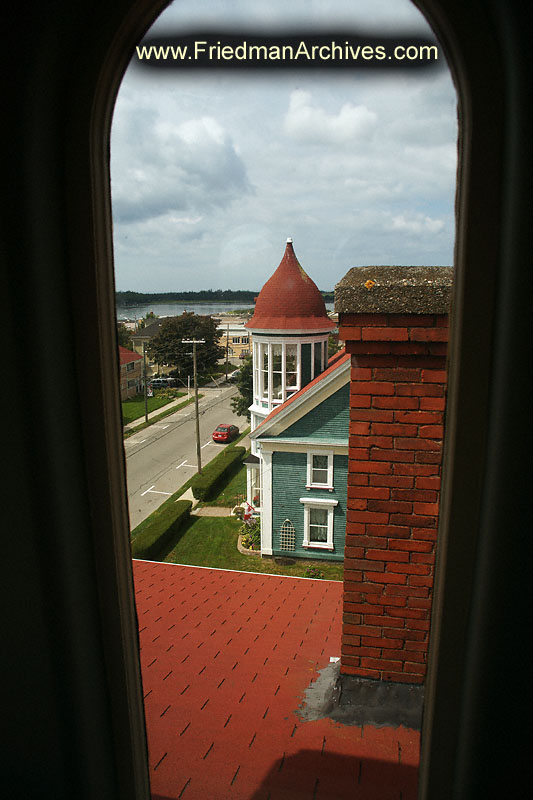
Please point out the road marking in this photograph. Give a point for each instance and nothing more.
(184, 464)
(154, 491)
(206, 445)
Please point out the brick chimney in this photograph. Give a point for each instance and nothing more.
(394, 321)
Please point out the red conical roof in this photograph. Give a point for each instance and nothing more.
(290, 300)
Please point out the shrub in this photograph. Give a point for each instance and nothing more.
(313, 572)
(160, 530)
(251, 534)
(205, 485)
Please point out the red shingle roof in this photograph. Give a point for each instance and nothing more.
(127, 355)
(227, 658)
(290, 300)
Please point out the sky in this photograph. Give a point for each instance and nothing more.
(212, 171)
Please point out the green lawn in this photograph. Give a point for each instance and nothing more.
(134, 408)
(212, 542)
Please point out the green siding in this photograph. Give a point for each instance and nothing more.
(289, 476)
(329, 421)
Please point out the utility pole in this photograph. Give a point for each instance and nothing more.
(227, 349)
(194, 342)
(145, 385)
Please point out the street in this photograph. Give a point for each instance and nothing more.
(160, 458)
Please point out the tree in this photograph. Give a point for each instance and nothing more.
(123, 335)
(245, 384)
(333, 345)
(166, 347)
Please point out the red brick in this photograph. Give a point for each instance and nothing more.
(425, 508)
(403, 482)
(428, 483)
(434, 375)
(442, 320)
(349, 333)
(352, 574)
(414, 495)
(420, 624)
(377, 454)
(372, 663)
(354, 552)
(359, 401)
(420, 580)
(408, 591)
(371, 641)
(382, 467)
(360, 630)
(425, 534)
(412, 520)
(427, 334)
(370, 441)
(423, 558)
(389, 531)
(387, 600)
(432, 403)
(383, 577)
(372, 387)
(418, 417)
(392, 429)
(397, 374)
(419, 602)
(428, 457)
(410, 668)
(357, 480)
(408, 569)
(371, 414)
(419, 646)
(414, 469)
(395, 402)
(415, 547)
(420, 657)
(418, 389)
(368, 516)
(361, 374)
(364, 319)
(367, 608)
(375, 492)
(386, 619)
(432, 431)
(387, 555)
(375, 334)
(359, 428)
(360, 672)
(406, 634)
(410, 443)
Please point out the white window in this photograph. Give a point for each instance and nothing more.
(318, 522)
(320, 469)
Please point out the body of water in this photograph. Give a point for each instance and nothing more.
(175, 309)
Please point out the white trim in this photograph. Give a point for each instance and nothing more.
(327, 504)
(287, 446)
(329, 483)
(324, 331)
(266, 503)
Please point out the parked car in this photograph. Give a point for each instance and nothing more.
(159, 383)
(225, 433)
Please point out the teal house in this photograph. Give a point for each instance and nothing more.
(298, 468)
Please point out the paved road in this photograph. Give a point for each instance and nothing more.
(160, 458)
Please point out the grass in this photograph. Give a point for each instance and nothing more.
(212, 542)
(133, 408)
(233, 493)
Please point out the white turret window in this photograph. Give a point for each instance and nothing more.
(276, 372)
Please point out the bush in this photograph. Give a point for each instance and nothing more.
(153, 540)
(205, 485)
(313, 572)
(251, 534)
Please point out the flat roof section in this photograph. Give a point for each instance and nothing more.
(226, 660)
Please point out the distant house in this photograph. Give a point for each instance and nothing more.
(130, 373)
(297, 471)
(234, 337)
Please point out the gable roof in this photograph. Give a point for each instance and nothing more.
(127, 355)
(290, 300)
(336, 375)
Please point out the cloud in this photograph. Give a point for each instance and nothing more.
(168, 168)
(417, 224)
(313, 125)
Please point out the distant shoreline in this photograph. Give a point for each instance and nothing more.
(130, 299)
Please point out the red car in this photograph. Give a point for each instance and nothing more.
(225, 433)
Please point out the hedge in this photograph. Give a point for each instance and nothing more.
(205, 485)
(161, 530)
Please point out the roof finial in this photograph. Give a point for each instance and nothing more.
(289, 239)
